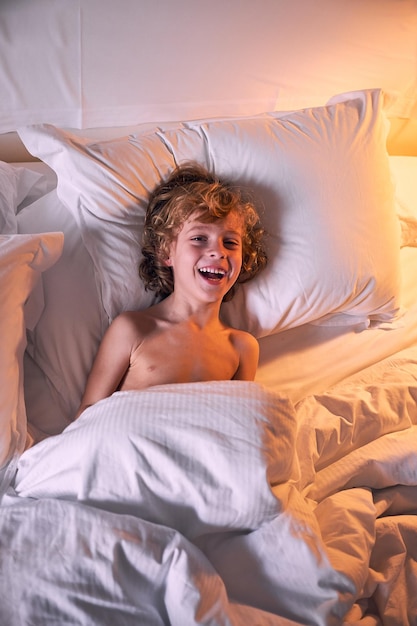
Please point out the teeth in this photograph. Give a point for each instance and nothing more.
(209, 270)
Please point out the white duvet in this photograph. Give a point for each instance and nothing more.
(220, 504)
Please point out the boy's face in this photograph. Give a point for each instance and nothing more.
(207, 258)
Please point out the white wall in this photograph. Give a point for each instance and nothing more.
(89, 63)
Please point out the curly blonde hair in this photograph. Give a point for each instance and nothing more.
(192, 189)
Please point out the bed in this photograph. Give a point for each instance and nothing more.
(287, 500)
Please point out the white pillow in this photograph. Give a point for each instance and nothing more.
(198, 457)
(8, 199)
(64, 342)
(321, 176)
(36, 179)
(17, 185)
(105, 185)
(22, 259)
(404, 170)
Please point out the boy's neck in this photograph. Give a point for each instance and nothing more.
(177, 310)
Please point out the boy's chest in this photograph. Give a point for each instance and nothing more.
(182, 354)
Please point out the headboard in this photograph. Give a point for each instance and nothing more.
(90, 64)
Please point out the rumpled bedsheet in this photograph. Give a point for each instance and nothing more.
(220, 504)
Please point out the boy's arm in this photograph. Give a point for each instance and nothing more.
(248, 348)
(111, 362)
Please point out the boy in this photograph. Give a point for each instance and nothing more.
(200, 240)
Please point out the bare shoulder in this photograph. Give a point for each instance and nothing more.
(135, 320)
(131, 327)
(248, 348)
(244, 340)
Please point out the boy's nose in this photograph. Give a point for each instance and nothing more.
(217, 249)
(217, 252)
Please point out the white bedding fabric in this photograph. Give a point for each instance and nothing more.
(280, 159)
(288, 501)
(333, 540)
(311, 359)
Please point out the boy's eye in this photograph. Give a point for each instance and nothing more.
(198, 238)
(231, 243)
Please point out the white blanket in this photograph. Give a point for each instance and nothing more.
(219, 503)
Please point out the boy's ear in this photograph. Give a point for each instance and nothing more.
(165, 255)
(164, 258)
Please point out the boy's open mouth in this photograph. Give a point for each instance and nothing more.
(210, 273)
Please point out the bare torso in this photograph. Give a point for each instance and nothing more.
(148, 348)
(181, 352)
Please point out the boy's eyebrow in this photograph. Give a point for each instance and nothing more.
(236, 233)
(202, 226)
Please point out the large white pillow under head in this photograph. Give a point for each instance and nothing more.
(323, 180)
(321, 177)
